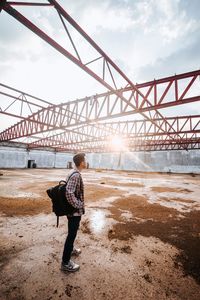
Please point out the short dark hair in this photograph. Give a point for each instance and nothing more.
(78, 158)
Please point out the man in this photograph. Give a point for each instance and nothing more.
(75, 196)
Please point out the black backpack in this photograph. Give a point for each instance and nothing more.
(60, 205)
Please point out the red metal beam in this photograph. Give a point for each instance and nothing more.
(104, 143)
(123, 104)
(26, 103)
(21, 98)
(101, 107)
(99, 146)
(162, 100)
(129, 130)
(77, 60)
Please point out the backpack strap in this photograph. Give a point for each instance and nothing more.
(71, 176)
(57, 221)
(65, 182)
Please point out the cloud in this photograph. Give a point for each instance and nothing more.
(183, 60)
(146, 39)
(9, 30)
(103, 17)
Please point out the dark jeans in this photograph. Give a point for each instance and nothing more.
(73, 225)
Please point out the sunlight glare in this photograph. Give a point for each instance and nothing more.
(117, 143)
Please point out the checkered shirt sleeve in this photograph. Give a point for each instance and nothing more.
(71, 187)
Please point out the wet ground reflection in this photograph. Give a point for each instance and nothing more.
(97, 221)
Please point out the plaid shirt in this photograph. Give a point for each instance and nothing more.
(75, 192)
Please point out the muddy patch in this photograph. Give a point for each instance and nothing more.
(163, 223)
(73, 291)
(160, 189)
(187, 201)
(97, 192)
(125, 249)
(85, 227)
(24, 206)
(21, 206)
(140, 209)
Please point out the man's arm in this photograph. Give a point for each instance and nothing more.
(70, 192)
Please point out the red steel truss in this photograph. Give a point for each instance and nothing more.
(110, 75)
(162, 93)
(19, 104)
(138, 145)
(105, 106)
(103, 145)
(78, 122)
(186, 128)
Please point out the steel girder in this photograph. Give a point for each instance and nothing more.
(129, 130)
(19, 104)
(110, 73)
(129, 140)
(127, 101)
(138, 145)
(105, 106)
(133, 144)
(164, 92)
(16, 104)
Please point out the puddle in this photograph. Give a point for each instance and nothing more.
(98, 221)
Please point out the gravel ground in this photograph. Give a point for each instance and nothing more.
(140, 237)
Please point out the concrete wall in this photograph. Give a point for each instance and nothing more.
(179, 161)
(175, 161)
(14, 157)
(61, 159)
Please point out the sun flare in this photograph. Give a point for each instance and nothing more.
(117, 143)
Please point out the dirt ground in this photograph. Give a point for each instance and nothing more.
(140, 237)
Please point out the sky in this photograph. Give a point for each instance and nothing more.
(147, 39)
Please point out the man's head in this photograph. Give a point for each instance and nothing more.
(79, 160)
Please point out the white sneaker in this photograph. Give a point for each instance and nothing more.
(70, 267)
(76, 252)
